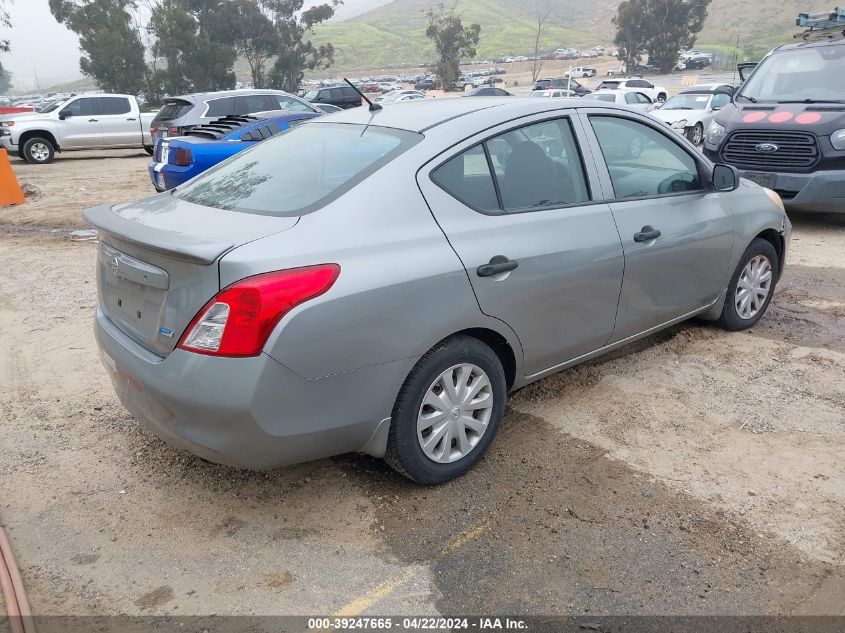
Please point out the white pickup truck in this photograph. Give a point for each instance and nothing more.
(101, 121)
(580, 72)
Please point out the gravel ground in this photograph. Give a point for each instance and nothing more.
(694, 472)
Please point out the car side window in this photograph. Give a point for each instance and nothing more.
(221, 107)
(336, 94)
(533, 167)
(631, 97)
(114, 105)
(467, 177)
(643, 98)
(81, 107)
(720, 101)
(247, 104)
(642, 161)
(289, 104)
(349, 93)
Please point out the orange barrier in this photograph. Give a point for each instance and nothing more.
(10, 190)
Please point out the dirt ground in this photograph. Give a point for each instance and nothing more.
(694, 472)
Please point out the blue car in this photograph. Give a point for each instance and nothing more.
(180, 158)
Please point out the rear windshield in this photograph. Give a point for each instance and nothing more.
(296, 172)
(604, 97)
(609, 85)
(173, 110)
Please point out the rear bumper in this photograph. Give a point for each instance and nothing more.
(247, 412)
(817, 192)
(166, 176)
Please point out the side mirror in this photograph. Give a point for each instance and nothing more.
(63, 114)
(725, 177)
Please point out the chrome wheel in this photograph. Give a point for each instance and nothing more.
(39, 152)
(753, 287)
(696, 135)
(455, 413)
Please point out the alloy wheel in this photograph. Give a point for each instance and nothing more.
(455, 413)
(39, 152)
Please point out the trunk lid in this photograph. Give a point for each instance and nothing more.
(157, 263)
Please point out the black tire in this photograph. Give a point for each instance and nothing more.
(149, 149)
(404, 453)
(38, 151)
(730, 318)
(661, 97)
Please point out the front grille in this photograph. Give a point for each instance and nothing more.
(796, 150)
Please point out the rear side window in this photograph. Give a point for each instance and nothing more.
(247, 104)
(467, 177)
(298, 171)
(221, 107)
(533, 167)
(114, 105)
(642, 161)
(349, 93)
(173, 110)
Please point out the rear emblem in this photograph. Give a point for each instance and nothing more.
(115, 265)
(767, 148)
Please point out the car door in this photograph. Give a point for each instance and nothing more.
(541, 253)
(81, 125)
(677, 232)
(120, 126)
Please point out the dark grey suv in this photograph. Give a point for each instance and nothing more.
(341, 96)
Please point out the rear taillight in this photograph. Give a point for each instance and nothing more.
(238, 321)
(173, 131)
(153, 130)
(182, 157)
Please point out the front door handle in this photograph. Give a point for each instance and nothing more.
(132, 118)
(498, 265)
(646, 234)
(92, 120)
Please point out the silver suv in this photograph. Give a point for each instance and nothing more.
(180, 114)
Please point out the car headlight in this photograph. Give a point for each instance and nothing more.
(775, 197)
(714, 134)
(837, 139)
(6, 123)
(679, 125)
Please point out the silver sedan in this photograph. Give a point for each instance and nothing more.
(381, 280)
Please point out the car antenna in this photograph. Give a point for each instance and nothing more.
(374, 107)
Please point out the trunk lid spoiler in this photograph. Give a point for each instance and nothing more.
(182, 230)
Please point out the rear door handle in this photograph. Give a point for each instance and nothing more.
(646, 234)
(92, 120)
(498, 264)
(132, 118)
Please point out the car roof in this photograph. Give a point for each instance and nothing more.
(708, 89)
(203, 96)
(812, 44)
(424, 114)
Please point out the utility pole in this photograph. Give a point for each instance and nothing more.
(37, 83)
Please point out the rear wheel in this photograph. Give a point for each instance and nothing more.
(447, 411)
(751, 287)
(661, 97)
(38, 151)
(149, 149)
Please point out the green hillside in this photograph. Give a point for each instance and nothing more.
(394, 34)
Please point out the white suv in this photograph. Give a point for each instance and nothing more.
(655, 93)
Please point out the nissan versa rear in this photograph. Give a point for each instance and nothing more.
(379, 282)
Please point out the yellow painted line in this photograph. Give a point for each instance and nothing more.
(359, 605)
(465, 537)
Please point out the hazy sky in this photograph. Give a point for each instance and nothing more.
(43, 46)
